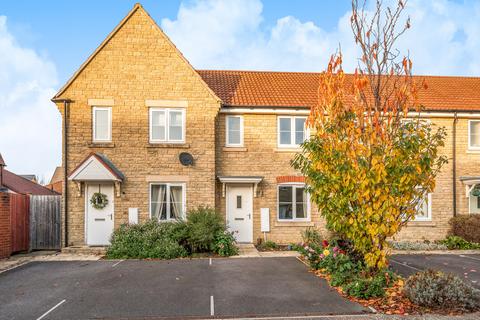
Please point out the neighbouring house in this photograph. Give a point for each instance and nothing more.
(155, 137)
(56, 182)
(13, 183)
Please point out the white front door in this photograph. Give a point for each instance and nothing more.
(240, 212)
(99, 221)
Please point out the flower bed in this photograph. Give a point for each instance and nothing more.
(383, 290)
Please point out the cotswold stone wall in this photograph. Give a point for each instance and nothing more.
(137, 64)
(260, 156)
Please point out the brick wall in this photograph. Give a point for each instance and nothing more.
(137, 64)
(5, 233)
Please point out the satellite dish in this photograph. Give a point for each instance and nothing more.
(186, 159)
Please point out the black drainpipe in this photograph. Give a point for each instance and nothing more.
(66, 104)
(454, 164)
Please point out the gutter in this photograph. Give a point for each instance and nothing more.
(454, 163)
(66, 114)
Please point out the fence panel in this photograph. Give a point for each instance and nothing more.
(19, 219)
(45, 222)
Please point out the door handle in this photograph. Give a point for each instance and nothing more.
(249, 216)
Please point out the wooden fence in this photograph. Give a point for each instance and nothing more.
(19, 220)
(45, 222)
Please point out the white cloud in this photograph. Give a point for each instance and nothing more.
(444, 37)
(30, 125)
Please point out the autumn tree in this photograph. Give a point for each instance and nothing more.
(371, 159)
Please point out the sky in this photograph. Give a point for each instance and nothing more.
(42, 43)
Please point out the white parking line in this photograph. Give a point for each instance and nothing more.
(212, 306)
(117, 263)
(461, 255)
(210, 262)
(15, 266)
(51, 309)
(405, 265)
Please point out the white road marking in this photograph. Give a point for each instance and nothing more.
(212, 306)
(461, 255)
(405, 265)
(117, 263)
(210, 262)
(16, 266)
(51, 309)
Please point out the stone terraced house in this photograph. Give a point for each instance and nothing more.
(158, 137)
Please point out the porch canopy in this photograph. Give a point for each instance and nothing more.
(255, 180)
(470, 182)
(97, 167)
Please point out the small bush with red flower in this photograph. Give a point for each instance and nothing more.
(338, 262)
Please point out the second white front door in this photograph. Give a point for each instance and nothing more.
(240, 212)
(99, 221)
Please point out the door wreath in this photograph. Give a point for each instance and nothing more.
(99, 200)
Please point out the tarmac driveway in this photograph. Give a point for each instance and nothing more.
(203, 288)
(465, 266)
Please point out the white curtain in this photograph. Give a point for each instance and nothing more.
(176, 202)
(158, 202)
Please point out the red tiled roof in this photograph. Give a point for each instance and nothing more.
(21, 185)
(299, 89)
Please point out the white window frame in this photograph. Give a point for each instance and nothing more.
(94, 139)
(470, 147)
(470, 201)
(227, 134)
(429, 210)
(167, 125)
(292, 145)
(167, 207)
(294, 185)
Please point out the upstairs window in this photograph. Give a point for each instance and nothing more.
(102, 124)
(291, 131)
(293, 203)
(474, 134)
(167, 125)
(234, 131)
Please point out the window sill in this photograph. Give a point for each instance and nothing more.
(101, 145)
(420, 223)
(291, 150)
(234, 149)
(474, 151)
(293, 224)
(169, 145)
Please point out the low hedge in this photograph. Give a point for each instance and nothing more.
(467, 227)
(203, 231)
(435, 289)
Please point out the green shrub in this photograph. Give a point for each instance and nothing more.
(370, 287)
(311, 235)
(455, 242)
(225, 244)
(423, 246)
(437, 289)
(466, 226)
(203, 225)
(148, 240)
